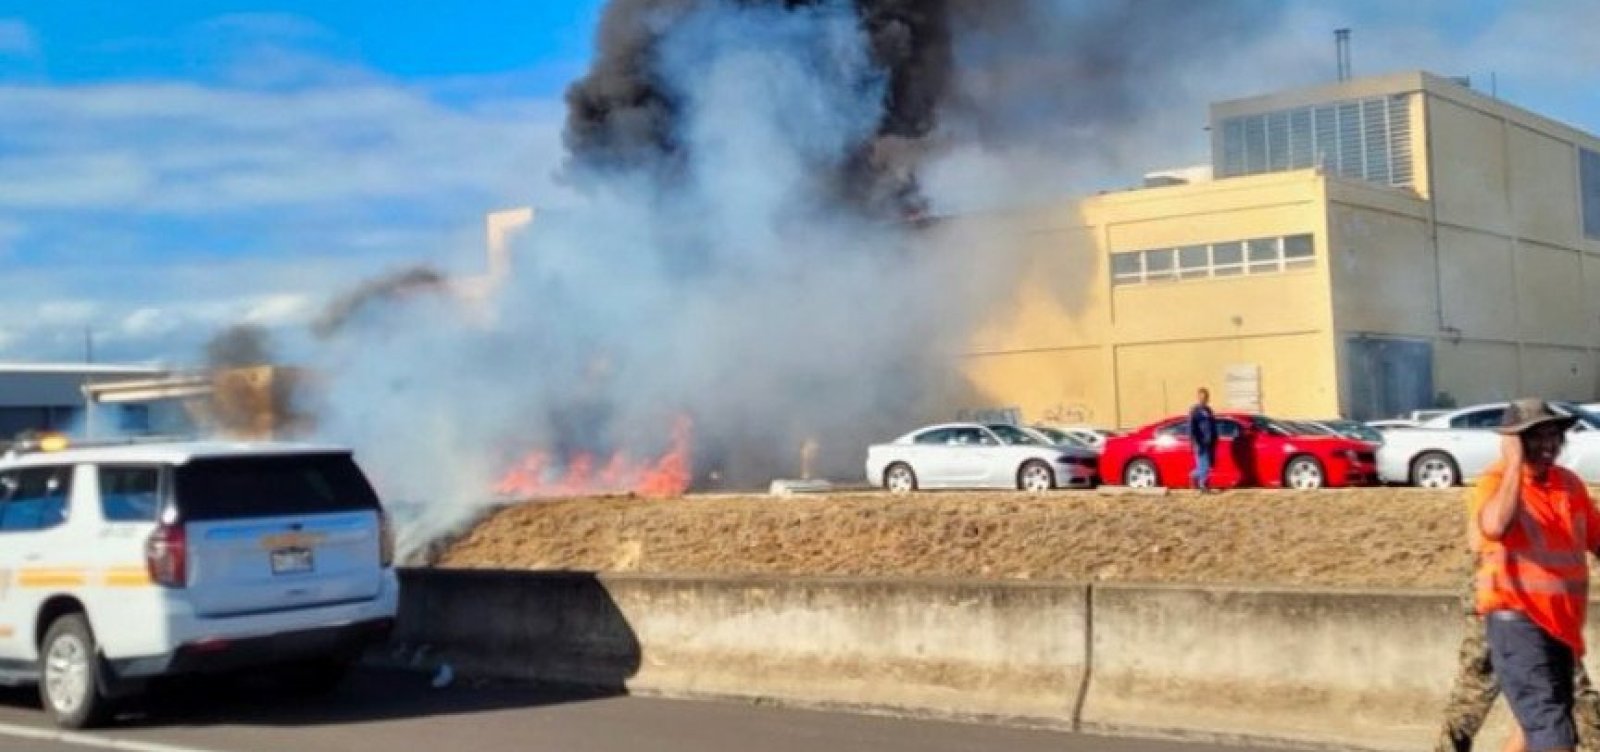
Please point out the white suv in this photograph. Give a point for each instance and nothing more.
(123, 563)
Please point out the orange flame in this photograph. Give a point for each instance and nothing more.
(536, 476)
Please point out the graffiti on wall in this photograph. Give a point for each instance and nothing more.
(1067, 414)
(1060, 414)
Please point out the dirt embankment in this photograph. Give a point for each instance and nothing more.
(1403, 538)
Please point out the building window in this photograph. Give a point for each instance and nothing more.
(1225, 259)
(1127, 267)
(1194, 261)
(1263, 254)
(1298, 252)
(1589, 178)
(1158, 265)
(1367, 139)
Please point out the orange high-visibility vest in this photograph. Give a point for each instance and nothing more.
(1538, 567)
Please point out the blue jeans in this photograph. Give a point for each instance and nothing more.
(1203, 456)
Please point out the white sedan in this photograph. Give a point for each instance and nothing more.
(1088, 436)
(978, 455)
(1458, 446)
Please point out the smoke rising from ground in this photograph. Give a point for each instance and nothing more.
(739, 258)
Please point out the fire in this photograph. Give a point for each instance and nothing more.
(538, 475)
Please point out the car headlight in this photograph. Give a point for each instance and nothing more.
(1350, 454)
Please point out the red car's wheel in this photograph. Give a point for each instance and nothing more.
(1304, 473)
(1141, 473)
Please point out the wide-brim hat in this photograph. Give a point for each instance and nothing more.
(1525, 415)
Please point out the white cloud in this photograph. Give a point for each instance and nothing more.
(17, 39)
(65, 313)
(147, 322)
(157, 210)
(172, 148)
(277, 310)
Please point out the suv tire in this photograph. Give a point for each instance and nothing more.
(69, 674)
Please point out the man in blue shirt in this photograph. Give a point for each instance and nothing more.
(1203, 435)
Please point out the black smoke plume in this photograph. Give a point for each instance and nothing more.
(387, 288)
(1006, 74)
(622, 118)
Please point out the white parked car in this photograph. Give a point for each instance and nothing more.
(1456, 447)
(976, 455)
(1064, 438)
(120, 564)
(1088, 436)
(1390, 424)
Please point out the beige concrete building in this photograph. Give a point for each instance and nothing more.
(1364, 248)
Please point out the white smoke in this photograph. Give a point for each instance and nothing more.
(743, 297)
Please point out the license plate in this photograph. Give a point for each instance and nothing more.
(291, 560)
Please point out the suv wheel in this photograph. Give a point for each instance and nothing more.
(69, 674)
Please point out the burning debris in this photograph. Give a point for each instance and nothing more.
(541, 475)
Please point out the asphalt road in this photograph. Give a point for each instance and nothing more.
(396, 712)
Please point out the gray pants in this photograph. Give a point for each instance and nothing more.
(1535, 672)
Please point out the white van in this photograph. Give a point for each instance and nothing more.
(123, 563)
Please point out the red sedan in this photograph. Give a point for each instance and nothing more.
(1252, 450)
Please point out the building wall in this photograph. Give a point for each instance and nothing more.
(1071, 347)
(1475, 284)
(1494, 276)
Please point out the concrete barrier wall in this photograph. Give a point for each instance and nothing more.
(1346, 669)
(946, 648)
(1365, 669)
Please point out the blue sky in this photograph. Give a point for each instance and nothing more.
(169, 167)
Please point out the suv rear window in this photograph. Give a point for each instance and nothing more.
(226, 488)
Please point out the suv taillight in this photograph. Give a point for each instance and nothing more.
(166, 555)
(385, 540)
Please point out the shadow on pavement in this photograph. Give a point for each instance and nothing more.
(544, 638)
(367, 696)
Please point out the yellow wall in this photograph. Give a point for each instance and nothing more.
(1070, 347)
(1157, 380)
(1061, 386)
